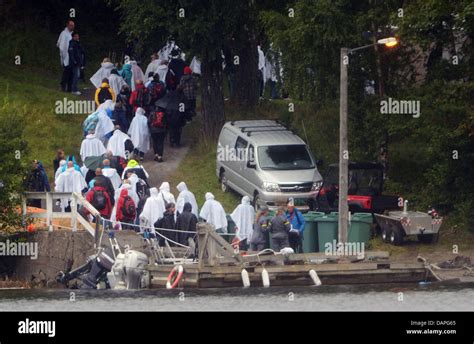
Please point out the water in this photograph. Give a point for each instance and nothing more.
(324, 298)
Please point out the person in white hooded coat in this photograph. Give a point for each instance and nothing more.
(213, 212)
(140, 133)
(104, 71)
(105, 124)
(91, 146)
(151, 210)
(137, 74)
(186, 196)
(70, 180)
(244, 218)
(116, 144)
(153, 65)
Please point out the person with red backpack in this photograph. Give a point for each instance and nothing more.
(100, 199)
(126, 209)
(140, 98)
(158, 124)
(156, 88)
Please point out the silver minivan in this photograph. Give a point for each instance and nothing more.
(266, 161)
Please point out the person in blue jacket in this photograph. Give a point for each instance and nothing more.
(296, 219)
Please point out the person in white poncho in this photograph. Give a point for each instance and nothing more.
(91, 146)
(153, 65)
(104, 71)
(111, 173)
(59, 170)
(116, 144)
(151, 210)
(116, 81)
(70, 180)
(105, 124)
(213, 212)
(244, 218)
(140, 133)
(63, 45)
(137, 74)
(186, 196)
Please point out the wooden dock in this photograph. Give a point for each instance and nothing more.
(218, 266)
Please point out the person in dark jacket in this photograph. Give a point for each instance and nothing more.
(279, 227)
(105, 182)
(124, 98)
(258, 242)
(188, 86)
(187, 222)
(59, 156)
(168, 221)
(158, 125)
(176, 65)
(37, 181)
(77, 61)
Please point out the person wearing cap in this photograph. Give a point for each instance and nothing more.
(188, 86)
(258, 241)
(296, 219)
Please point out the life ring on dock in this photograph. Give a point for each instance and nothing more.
(176, 274)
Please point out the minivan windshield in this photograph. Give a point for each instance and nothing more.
(285, 157)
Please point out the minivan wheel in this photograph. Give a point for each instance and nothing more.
(224, 186)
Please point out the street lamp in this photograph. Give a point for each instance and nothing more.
(343, 141)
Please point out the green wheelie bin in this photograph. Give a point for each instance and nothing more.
(359, 229)
(327, 230)
(310, 237)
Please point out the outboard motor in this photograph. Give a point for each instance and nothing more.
(89, 274)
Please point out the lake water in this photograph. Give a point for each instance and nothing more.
(323, 298)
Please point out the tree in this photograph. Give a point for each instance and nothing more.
(12, 169)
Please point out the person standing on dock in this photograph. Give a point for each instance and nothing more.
(296, 219)
(258, 241)
(279, 227)
(213, 212)
(244, 218)
(186, 222)
(70, 180)
(63, 45)
(186, 196)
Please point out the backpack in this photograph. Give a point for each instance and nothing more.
(171, 80)
(141, 188)
(157, 119)
(99, 200)
(128, 208)
(104, 94)
(143, 97)
(157, 90)
(36, 181)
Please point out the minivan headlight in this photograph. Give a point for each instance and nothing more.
(316, 186)
(271, 187)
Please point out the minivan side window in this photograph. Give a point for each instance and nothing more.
(240, 147)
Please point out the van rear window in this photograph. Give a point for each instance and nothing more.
(285, 157)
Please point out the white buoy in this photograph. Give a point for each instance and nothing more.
(265, 278)
(245, 278)
(314, 276)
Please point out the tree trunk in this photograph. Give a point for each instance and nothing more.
(212, 99)
(246, 78)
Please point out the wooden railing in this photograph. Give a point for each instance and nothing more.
(49, 214)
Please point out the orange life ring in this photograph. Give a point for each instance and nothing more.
(174, 277)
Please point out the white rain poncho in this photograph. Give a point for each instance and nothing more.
(166, 192)
(59, 170)
(244, 218)
(63, 45)
(151, 210)
(186, 196)
(91, 146)
(116, 82)
(162, 70)
(103, 72)
(137, 73)
(114, 177)
(164, 53)
(213, 212)
(152, 67)
(139, 131)
(195, 65)
(105, 124)
(69, 181)
(116, 143)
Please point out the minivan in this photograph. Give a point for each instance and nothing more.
(266, 161)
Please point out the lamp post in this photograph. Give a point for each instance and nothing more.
(343, 209)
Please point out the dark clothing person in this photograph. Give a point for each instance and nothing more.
(158, 125)
(66, 79)
(258, 242)
(119, 117)
(124, 99)
(108, 186)
(177, 66)
(37, 181)
(59, 156)
(77, 60)
(186, 221)
(167, 222)
(139, 97)
(189, 88)
(279, 227)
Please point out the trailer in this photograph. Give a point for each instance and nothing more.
(396, 225)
